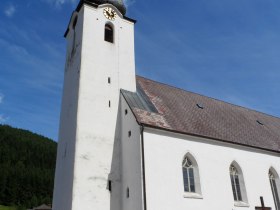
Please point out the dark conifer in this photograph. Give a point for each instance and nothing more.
(27, 165)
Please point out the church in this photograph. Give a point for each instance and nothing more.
(130, 143)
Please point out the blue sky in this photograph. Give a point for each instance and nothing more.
(226, 49)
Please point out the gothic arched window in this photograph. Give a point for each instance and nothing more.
(238, 185)
(188, 173)
(191, 176)
(235, 183)
(109, 33)
(273, 178)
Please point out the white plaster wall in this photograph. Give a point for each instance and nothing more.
(164, 180)
(131, 161)
(64, 174)
(93, 126)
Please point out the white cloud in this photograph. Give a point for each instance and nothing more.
(58, 3)
(129, 2)
(3, 119)
(10, 10)
(1, 98)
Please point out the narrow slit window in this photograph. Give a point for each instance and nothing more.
(109, 33)
(127, 192)
(110, 185)
(74, 36)
(109, 103)
(65, 150)
(109, 80)
(75, 23)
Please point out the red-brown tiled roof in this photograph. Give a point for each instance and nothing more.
(189, 113)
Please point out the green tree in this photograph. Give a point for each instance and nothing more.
(27, 165)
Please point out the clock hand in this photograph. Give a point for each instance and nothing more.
(108, 13)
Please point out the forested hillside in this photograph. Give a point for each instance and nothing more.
(27, 165)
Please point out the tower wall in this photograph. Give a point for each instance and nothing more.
(65, 160)
(90, 126)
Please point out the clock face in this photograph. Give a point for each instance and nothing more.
(109, 13)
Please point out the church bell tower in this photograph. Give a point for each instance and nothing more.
(99, 62)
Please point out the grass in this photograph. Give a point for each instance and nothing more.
(7, 207)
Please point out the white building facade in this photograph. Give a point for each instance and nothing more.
(129, 143)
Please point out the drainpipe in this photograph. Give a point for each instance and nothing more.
(143, 167)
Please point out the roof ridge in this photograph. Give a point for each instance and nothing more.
(219, 100)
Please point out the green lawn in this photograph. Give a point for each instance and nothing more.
(7, 208)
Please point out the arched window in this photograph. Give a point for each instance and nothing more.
(190, 175)
(237, 184)
(109, 33)
(273, 178)
(189, 184)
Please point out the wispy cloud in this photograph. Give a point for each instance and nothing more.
(42, 74)
(10, 10)
(3, 119)
(1, 98)
(129, 2)
(58, 3)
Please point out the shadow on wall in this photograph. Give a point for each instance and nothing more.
(114, 178)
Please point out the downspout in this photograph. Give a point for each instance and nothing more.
(143, 167)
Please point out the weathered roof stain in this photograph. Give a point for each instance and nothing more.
(176, 110)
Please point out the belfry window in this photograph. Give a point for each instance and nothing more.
(109, 33)
(273, 178)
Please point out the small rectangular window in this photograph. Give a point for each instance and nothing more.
(109, 80)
